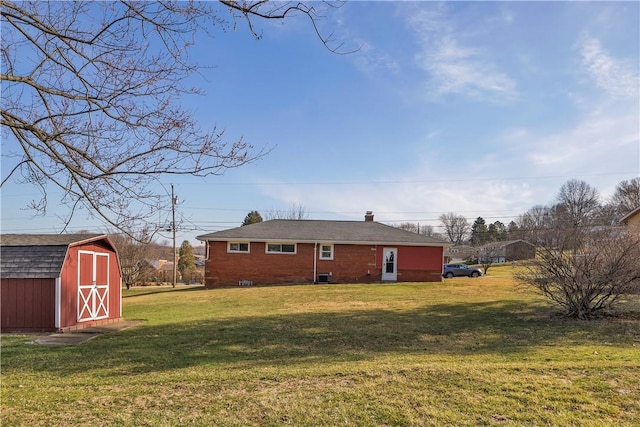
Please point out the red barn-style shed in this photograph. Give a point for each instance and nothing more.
(58, 282)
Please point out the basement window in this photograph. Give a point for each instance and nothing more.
(241, 247)
(281, 248)
(326, 251)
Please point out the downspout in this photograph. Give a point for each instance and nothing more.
(315, 262)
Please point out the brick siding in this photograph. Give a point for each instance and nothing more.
(350, 264)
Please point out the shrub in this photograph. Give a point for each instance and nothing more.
(588, 280)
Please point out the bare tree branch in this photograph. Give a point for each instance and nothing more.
(266, 9)
(91, 96)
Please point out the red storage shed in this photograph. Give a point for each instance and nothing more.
(58, 282)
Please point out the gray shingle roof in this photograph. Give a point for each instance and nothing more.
(37, 262)
(46, 239)
(38, 256)
(309, 231)
(503, 243)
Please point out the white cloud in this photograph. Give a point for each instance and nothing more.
(592, 144)
(615, 76)
(602, 148)
(532, 160)
(368, 59)
(460, 70)
(452, 67)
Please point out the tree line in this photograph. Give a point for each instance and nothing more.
(586, 262)
(577, 206)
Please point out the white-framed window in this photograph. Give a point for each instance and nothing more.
(326, 251)
(240, 247)
(281, 248)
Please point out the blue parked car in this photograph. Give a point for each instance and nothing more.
(456, 270)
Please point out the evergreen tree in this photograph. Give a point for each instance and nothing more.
(497, 232)
(479, 232)
(252, 217)
(187, 260)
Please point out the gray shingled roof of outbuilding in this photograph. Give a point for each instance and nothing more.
(38, 256)
(309, 231)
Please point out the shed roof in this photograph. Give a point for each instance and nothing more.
(310, 231)
(38, 256)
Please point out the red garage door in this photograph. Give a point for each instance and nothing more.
(93, 286)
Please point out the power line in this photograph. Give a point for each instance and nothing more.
(409, 181)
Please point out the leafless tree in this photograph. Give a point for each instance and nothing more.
(576, 211)
(587, 281)
(423, 229)
(91, 99)
(580, 200)
(534, 223)
(490, 253)
(456, 227)
(626, 197)
(134, 253)
(295, 211)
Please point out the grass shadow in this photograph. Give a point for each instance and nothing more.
(148, 290)
(462, 329)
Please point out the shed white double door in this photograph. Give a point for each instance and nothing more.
(93, 286)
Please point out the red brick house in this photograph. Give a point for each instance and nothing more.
(311, 251)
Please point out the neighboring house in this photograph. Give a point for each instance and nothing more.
(58, 282)
(461, 253)
(163, 271)
(310, 251)
(506, 251)
(632, 219)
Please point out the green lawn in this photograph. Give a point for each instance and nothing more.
(462, 352)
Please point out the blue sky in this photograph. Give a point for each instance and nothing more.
(479, 108)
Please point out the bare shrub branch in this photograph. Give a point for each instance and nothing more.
(587, 281)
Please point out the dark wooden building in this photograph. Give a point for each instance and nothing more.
(58, 282)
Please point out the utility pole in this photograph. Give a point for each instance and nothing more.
(174, 201)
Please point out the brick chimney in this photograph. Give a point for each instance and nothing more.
(368, 217)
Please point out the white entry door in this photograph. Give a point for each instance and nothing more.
(389, 264)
